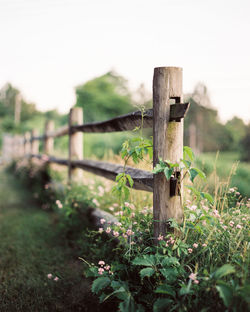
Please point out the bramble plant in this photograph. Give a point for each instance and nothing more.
(203, 268)
(195, 270)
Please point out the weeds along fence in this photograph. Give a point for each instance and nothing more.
(166, 119)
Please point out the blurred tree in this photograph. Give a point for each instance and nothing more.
(245, 145)
(203, 131)
(104, 97)
(237, 130)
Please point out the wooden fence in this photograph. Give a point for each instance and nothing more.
(166, 118)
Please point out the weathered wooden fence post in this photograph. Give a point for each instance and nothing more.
(27, 143)
(34, 143)
(75, 144)
(48, 141)
(168, 145)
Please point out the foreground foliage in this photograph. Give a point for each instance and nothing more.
(201, 266)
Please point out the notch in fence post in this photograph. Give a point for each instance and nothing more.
(75, 144)
(48, 141)
(34, 143)
(168, 145)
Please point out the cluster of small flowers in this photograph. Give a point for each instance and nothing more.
(231, 224)
(233, 190)
(146, 210)
(193, 277)
(196, 245)
(95, 201)
(216, 213)
(103, 268)
(170, 241)
(129, 205)
(100, 191)
(112, 208)
(50, 276)
(59, 204)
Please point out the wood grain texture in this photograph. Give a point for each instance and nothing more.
(143, 180)
(75, 144)
(126, 122)
(48, 140)
(167, 84)
(131, 121)
(34, 142)
(27, 144)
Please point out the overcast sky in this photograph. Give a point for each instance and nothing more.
(50, 46)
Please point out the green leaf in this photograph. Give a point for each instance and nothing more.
(147, 272)
(146, 260)
(162, 304)
(130, 180)
(168, 261)
(127, 305)
(120, 294)
(168, 172)
(187, 151)
(226, 269)
(208, 197)
(100, 283)
(170, 274)
(186, 163)
(200, 173)
(165, 289)
(194, 190)
(158, 168)
(226, 293)
(193, 173)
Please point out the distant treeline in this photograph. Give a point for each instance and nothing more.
(108, 96)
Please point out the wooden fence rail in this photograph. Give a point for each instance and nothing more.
(165, 118)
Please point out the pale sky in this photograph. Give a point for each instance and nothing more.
(48, 47)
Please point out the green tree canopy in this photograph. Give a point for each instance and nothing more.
(104, 97)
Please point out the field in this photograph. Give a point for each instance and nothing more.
(225, 165)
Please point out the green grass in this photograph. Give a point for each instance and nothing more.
(31, 248)
(224, 164)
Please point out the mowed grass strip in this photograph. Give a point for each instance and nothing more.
(30, 248)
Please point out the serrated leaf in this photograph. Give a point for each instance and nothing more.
(208, 197)
(100, 283)
(225, 293)
(170, 274)
(193, 173)
(226, 269)
(147, 260)
(130, 180)
(200, 173)
(165, 289)
(158, 168)
(127, 305)
(147, 272)
(162, 304)
(186, 163)
(168, 261)
(168, 172)
(187, 151)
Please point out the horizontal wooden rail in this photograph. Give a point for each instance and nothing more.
(143, 180)
(122, 123)
(132, 120)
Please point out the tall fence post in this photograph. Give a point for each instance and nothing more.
(34, 143)
(168, 145)
(48, 141)
(27, 143)
(75, 144)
